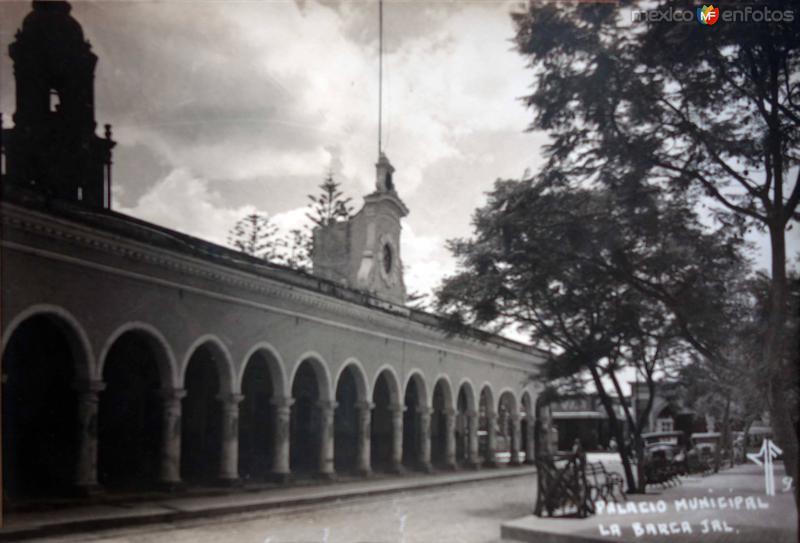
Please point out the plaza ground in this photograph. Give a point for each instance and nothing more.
(758, 518)
(463, 507)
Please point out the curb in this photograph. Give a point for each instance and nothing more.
(105, 523)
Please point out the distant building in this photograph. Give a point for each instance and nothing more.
(583, 417)
(669, 412)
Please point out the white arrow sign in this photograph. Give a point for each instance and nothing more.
(769, 451)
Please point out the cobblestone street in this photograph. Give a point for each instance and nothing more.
(467, 513)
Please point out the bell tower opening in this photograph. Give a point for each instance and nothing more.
(55, 101)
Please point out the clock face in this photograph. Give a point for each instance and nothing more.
(387, 260)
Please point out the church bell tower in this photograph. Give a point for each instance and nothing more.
(53, 148)
(364, 252)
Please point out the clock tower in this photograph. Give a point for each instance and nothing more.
(364, 252)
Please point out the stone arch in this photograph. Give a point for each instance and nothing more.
(486, 423)
(360, 374)
(447, 389)
(261, 382)
(418, 378)
(508, 399)
(167, 364)
(393, 383)
(469, 392)
(465, 408)
(506, 411)
(78, 339)
(208, 377)
(386, 400)
(222, 361)
(308, 430)
(320, 367)
(487, 396)
(527, 426)
(415, 401)
(442, 405)
(277, 370)
(137, 365)
(45, 356)
(351, 396)
(526, 405)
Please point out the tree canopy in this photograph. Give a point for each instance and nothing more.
(604, 278)
(710, 114)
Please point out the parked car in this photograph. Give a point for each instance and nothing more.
(665, 448)
(703, 453)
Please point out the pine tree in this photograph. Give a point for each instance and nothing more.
(296, 249)
(330, 205)
(255, 235)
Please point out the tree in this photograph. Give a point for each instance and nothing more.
(256, 236)
(712, 115)
(296, 249)
(330, 205)
(577, 269)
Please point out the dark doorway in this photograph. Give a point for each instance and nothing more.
(382, 438)
(256, 419)
(39, 411)
(506, 439)
(484, 412)
(201, 437)
(439, 425)
(525, 430)
(305, 424)
(413, 403)
(130, 417)
(462, 427)
(345, 423)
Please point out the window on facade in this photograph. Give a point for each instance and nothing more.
(387, 258)
(664, 425)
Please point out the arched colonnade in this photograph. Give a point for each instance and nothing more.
(136, 416)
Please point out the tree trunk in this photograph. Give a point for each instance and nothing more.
(640, 479)
(616, 430)
(780, 376)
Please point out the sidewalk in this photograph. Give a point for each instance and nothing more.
(730, 506)
(117, 513)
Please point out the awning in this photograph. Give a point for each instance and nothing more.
(571, 415)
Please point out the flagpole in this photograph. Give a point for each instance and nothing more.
(380, 75)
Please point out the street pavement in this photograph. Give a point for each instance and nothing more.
(463, 513)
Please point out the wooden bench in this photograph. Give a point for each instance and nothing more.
(603, 484)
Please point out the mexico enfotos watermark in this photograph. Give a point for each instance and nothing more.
(709, 15)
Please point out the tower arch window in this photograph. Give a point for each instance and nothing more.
(55, 101)
(388, 258)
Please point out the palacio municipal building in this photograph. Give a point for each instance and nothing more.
(135, 357)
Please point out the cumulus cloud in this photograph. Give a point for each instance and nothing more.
(183, 202)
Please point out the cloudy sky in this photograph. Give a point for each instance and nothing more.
(224, 108)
